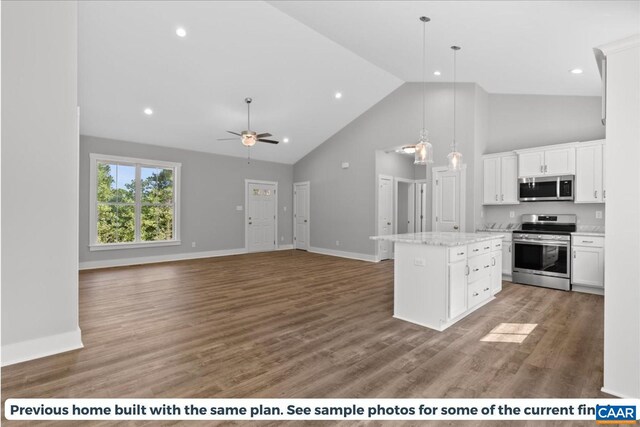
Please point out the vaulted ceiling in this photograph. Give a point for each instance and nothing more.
(293, 57)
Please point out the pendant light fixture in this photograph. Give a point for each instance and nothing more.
(424, 149)
(455, 157)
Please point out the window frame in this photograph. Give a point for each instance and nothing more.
(93, 202)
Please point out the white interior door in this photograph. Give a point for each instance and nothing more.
(301, 215)
(261, 216)
(448, 200)
(385, 214)
(420, 207)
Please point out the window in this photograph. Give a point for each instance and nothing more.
(134, 203)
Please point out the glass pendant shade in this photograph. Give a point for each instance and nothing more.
(249, 139)
(455, 160)
(424, 150)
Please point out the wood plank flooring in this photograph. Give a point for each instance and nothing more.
(295, 324)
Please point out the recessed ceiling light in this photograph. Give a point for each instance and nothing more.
(181, 32)
(285, 140)
(148, 111)
(576, 71)
(338, 95)
(436, 73)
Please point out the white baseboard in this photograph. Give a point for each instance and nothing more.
(41, 347)
(88, 265)
(616, 394)
(343, 254)
(285, 247)
(587, 290)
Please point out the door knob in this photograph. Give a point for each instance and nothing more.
(455, 227)
(250, 223)
(305, 220)
(388, 223)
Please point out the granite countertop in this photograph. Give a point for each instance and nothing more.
(498, 226)
(590, 230)
(439, 239)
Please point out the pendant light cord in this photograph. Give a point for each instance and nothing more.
(424, 80)
(454, 99)
(248, 115)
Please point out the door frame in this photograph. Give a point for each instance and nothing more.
(463, 196)
(377, 211)
(246, 211)
(295, 204)
(396, 189)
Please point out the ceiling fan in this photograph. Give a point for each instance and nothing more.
(249, 137)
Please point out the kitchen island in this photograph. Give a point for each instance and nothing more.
(440, 278)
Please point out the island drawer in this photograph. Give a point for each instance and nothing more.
(458, 253)
(479, 267)
(479, 248)
(479, 291)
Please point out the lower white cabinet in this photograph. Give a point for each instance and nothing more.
(587, 260)
(457, 288)
(496, 266)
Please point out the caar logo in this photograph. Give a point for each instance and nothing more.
(615, 414)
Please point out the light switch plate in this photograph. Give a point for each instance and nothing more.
(239, 208)
(420, 262)
(512, 214)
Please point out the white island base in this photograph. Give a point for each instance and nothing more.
(442, 277)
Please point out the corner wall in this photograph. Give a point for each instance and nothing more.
(39, 180)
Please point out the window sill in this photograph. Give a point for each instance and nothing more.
(135, 245)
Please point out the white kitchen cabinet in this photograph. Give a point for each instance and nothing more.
(496, 266)
(546, 161)
(457, 288)
(506, 258)
(589, 181)
(587, 261)
(500, 179)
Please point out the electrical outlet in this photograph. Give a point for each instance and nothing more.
(337, 242)
(512, 214)
(481, 214)
(193, 244)
(239, 207)
(598, 214)
(284, 208)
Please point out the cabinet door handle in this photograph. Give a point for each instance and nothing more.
(545, 168)
(460, 253)
(574, 254)
(493, 261)
(475, 294)
(476, 250)
(595, 194)
(502, 197)
(486, 289)
(487, 247)
(587, 241)
(476, 269)
(604, 194)
(466, 270)
(487, 266)
(496, 197)
(509, 249)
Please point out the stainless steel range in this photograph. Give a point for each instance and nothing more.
(541, 251)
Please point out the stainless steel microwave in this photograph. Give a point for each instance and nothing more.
(545, 188)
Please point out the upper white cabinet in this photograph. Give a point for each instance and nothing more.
(590, 174)
(500, 184)
(547, 161)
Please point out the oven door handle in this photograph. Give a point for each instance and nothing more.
(540, 243)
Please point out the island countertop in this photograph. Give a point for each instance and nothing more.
(439, 238)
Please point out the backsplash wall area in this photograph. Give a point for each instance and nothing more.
(586, 212)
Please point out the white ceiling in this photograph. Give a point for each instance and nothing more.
(130, 58)
(292, 56)
(524, 47)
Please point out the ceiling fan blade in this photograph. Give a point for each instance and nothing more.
(234, 133)
(227, 139)
(263, 135)
(270, 141)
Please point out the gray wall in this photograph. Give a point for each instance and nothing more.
(211, 188)
(39, 176)
(343, 201)
(523, 121)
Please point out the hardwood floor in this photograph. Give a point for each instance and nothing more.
(295, 324)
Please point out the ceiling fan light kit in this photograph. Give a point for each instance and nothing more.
(249, 137)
